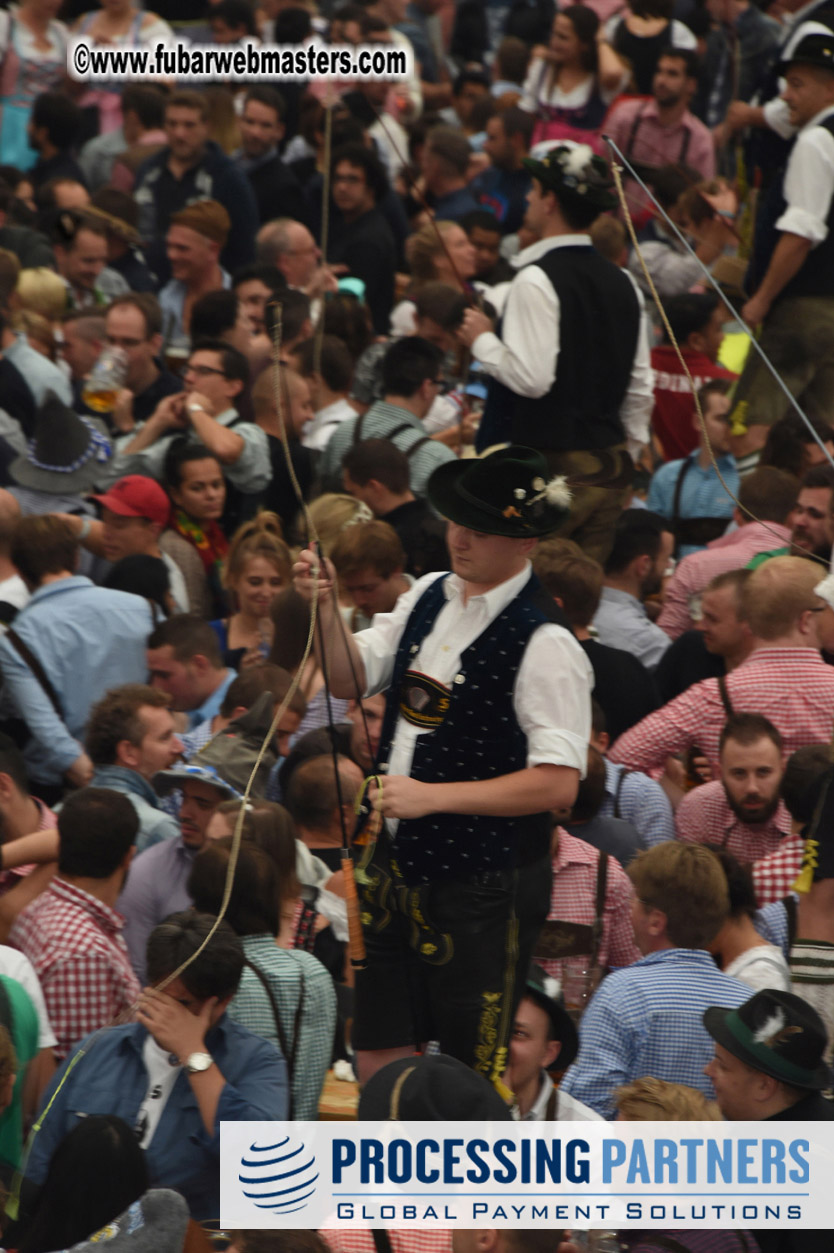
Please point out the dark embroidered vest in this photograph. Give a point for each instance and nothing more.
(479, 739)
(599, 324)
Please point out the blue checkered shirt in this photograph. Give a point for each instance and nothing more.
(642, 802)
(646, 1020)
(252, 1009)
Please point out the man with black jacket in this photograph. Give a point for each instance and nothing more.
(192, 167)
(276, 188)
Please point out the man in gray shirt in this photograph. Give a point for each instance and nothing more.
(411, 377)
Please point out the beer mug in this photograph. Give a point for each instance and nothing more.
(107, 378)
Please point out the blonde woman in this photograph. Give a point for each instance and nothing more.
(257, 567)
(440, 252)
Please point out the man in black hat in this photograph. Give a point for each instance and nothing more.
(544, 1038)
(567, 311)
(768, 1066)
(794, 300)
(768, 1061)
(485, 732)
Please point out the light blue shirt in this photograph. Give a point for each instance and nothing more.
(647, 1020)
(172, 303)
(41, 374)
(211, 705)
(702, 493)
(87, 639)
(642, 802)
(154, 824)
(251, 473)
(621, 621)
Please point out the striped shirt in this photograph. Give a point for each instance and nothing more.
(379, 421)
(793, 687)
(290, 973)
(647, 1020)
(640, 801)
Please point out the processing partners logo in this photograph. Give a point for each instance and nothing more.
(278, 1177)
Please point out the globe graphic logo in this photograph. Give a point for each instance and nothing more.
(278, 1177)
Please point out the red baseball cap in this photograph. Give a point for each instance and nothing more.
(136, 496)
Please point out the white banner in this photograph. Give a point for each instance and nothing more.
(554, 1175)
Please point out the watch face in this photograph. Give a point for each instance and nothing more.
(197, 1062)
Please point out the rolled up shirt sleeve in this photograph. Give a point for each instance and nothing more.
(252, 472)
(809, 185)
(524, 358)
(553, 699)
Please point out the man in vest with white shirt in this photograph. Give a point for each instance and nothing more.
(485, 732)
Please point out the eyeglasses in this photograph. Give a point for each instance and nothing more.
(203, 370)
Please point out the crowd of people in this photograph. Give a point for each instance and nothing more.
(348, 465)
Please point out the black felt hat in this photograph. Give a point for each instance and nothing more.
(777, 1033)
(432, 1088)
(547, 994)
(816, 50)
(575, 172)
(67, 454)
(508, 492)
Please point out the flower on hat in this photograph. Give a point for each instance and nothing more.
(774, 1030)
(556, 492)
(574, 160)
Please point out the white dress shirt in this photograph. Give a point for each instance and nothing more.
(525, 357)
(552, 688)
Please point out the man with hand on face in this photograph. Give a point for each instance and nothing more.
(473, 758)
(215, 376)
(178, 1072)
(742, 811)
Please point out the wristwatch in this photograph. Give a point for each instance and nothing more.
(195, 1062)
(194, 406)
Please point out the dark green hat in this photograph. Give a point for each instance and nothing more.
(509, 492)
(576, 173)
(777, 1033)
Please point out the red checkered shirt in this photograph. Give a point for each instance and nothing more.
(793, 687)
(705, 817)
(774, 876)
(693, 573)
(360, 1240)
(74, 942)
(573, 899)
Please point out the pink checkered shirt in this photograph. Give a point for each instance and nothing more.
(74, 942)
(573, 898)
(704, 817)
(793, 687)
(773, 876)
(693, 573)
(360, 1240)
